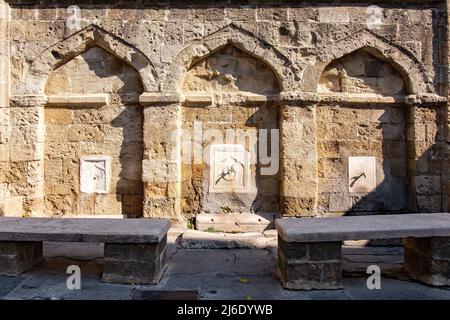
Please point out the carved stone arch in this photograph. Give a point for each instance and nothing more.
(413, 72)
(81, 41)
(286, 72)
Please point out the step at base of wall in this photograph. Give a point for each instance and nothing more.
(235, 222)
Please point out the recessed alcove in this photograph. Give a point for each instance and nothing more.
(354, 136)
(93, 112)
(362, 72)
(221, 112)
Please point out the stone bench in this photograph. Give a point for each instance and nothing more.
(135, 249)
(309, 250)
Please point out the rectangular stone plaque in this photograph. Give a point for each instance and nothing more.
(229, 169)
(361, 174)
(95, 174)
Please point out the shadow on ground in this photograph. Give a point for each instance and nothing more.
(240, 274)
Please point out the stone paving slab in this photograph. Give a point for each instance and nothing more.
(83, 230)
(364, 227)
(239, 274)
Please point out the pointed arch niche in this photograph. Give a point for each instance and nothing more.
(228, 100)
(93, 143)
(362, 122)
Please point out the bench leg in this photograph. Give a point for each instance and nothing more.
(428, 260)
(18, 257)
(135, 263)
(307, 266)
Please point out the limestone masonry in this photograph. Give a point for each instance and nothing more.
(174, 109)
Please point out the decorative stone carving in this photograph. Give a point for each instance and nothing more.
(95, 174)
(361, 174)
(229, 169)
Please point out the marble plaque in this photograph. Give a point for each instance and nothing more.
(95, 174)
(361, 174)
(229, 169)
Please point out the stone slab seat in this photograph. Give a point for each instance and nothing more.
(135, 249)
(309, 249)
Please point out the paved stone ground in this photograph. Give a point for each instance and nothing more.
(213, 273)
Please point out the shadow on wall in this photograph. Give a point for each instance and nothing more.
(392, 174)
(417, 187)
(229, 72)
(267, 199)
(406, 141)
(99, 130)
(129, 186)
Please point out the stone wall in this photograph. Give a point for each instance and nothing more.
(351, 130)
(307, 69)
(344, 131)
(73, 132)
(224, 74)
(8, 203)
(360, 72)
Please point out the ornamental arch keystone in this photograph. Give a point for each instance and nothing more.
(64, 51)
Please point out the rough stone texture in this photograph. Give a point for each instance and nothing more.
(379, 132)
(114, 130)
(428, 260)
(8, 205)
(309, 265)
(286, 66)
(229, 70)
(298, 155)
(18, 257)
(135, 263)
(360, 72)
(11, 207)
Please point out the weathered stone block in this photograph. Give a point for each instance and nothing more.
(300, 189)
(160, 171)
(429, 203)
(306, 266)
(428, 260)
(310, 275)
(18, 257)
(135, 263)
(299, 207)
(290, 250)
(4, 152)
(11, 207)
(161, 207)
(26, 152)
(324, 251)
(428, 185)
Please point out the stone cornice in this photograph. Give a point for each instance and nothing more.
(151, 98)
(239, 98)
(28, 100)
(78, 100)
